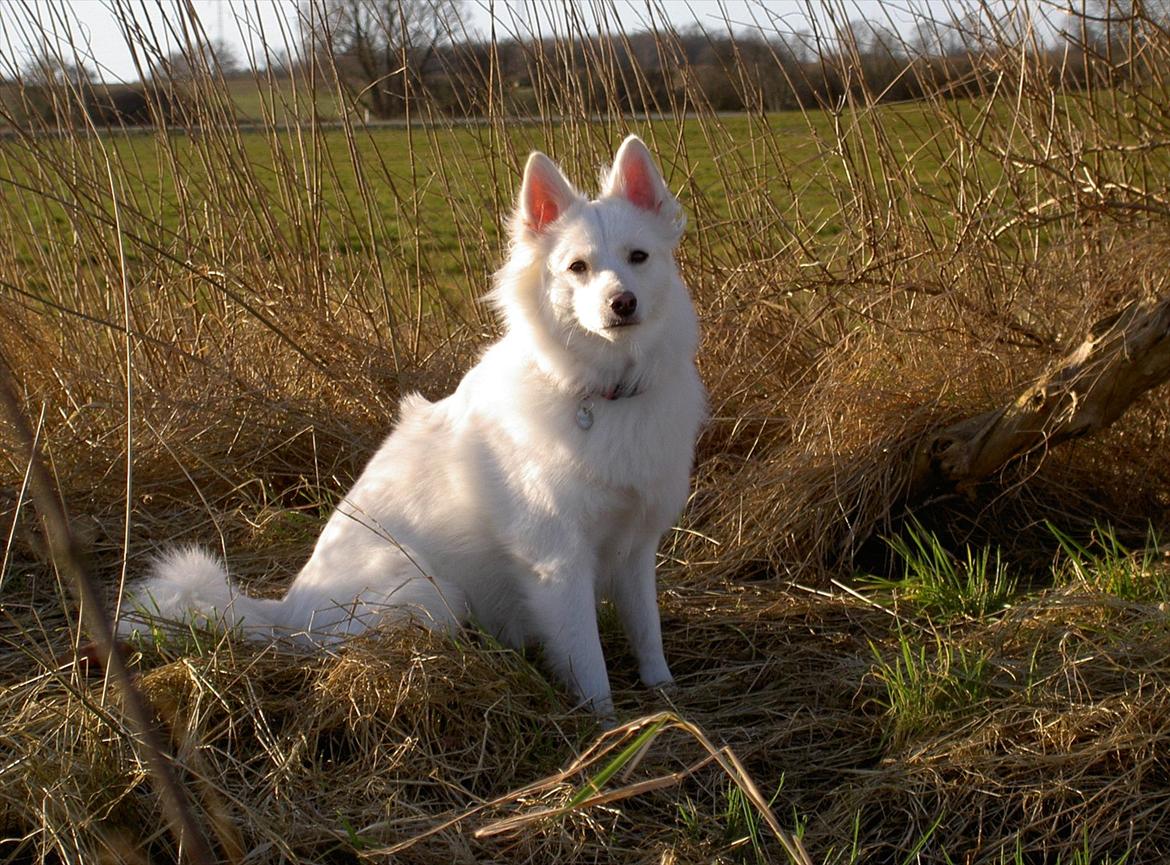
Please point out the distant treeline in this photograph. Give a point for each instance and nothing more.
(635, 73)
(646, 73)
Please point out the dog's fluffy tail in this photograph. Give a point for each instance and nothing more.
(188, 585)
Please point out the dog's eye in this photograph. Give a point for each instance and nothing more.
(578, 266)
(637, 256)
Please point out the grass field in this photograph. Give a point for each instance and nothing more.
(422, 176)
(210, 329)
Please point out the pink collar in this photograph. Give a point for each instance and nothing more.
(585, 406)
(617, 391)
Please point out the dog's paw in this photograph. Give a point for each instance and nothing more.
(664, 688)
(600, 705)
(656, 675)
(607, 722)
(669, 689)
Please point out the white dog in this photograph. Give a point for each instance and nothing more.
(544, 483)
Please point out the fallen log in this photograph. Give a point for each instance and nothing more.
(1122, 357)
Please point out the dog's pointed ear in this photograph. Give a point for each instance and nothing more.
(635, 177)
(545, 194)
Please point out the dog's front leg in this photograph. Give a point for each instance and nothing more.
(635, 594)
(564, 614)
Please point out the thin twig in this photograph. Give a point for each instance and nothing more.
(188, 834)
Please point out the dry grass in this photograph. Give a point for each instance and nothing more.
(238, 313)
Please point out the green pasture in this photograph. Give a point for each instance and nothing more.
(425, 194)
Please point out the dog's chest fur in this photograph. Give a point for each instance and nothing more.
(637, 447)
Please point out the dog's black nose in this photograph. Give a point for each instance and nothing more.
(624, 304)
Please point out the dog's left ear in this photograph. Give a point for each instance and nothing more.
(635, 177)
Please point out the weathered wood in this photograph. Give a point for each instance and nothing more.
(1122, 357)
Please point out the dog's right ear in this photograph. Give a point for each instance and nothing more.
(545, 195)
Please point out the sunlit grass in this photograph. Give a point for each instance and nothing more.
(212, 327)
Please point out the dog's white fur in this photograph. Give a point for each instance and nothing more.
(495, 503)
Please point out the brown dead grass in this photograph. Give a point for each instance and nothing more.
(255, 393)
